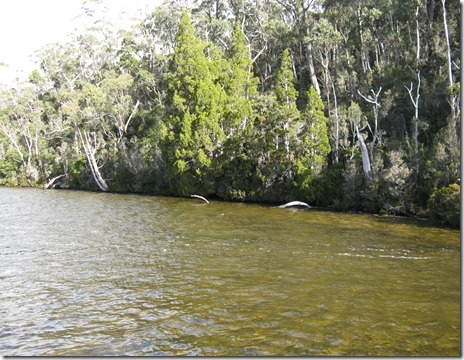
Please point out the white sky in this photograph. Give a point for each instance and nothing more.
(28, 25)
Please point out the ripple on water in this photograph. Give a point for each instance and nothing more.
(103, 274)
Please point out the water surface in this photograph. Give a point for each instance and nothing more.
(106, 274)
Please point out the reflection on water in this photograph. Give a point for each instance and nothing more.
(105, 274)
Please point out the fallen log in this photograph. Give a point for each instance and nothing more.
(294, 203)
(199, 197)
(50, 183)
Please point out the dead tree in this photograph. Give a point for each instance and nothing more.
(294, 203)
(376, 105)
(364, 156)
(415, 102)
(200, 197)
(90, 148)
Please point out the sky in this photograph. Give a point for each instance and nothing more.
(28, 25)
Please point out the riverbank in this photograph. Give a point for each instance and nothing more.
(424, 216)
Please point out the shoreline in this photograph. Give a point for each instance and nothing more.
(269, 204)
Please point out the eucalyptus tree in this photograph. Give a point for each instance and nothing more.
(267, 33)
(376, 132)
(212, 21)
(145, 52)
(286, 113)
(301, 13)
(354, 123)
(453, 87)
(92, 103)
(325, 40)
(23, 127)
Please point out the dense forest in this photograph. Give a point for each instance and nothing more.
(347, 104)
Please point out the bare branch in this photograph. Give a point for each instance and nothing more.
(199, 197)
(371, 100)
(131, 115)
(50, 183)
(258, 54)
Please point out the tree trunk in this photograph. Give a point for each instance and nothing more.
(90, 154)
(337, 126)
(200, 197)
(52, 181)
(453, 96)
(375, 102)
(295, 203)
(312, 71)
(365, 156)
(415, 102)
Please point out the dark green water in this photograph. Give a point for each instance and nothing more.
(105, 274)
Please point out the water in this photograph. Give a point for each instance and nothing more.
(92, 274)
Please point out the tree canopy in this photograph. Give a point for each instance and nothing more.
(352, 105)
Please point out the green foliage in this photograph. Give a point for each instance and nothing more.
(9, 167)
(193, 133)
(456, 89)
(445, 204)
(313, 148)
(78, 175)
(442, 163)
(237, 170)
(240, 85)
(123, 180)
(247, 101)
(285, 118)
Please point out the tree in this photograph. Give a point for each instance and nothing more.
(355, 117)
(240, 84)
(25, 130)
(325, 39)
(285, 111)
(374, 100)
(194, 132)
(453, 94)
(235, 165)
(211, 20)
(174, 108)
(314, 147)
(415, 102)
(301, 11)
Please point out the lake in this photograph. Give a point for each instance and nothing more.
(93, 274)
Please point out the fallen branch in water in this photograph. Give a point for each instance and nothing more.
(200, 197)
(294, 203)
(50, 183)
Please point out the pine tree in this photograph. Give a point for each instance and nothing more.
(279, 127)
(193, 134)
(234, 167)
(314, 146)
(241, 85)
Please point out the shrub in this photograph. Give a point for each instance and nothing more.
(444, 204)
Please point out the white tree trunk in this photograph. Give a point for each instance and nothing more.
(312, 71)
(295, 203)
(415, 102)
(365, 156)
(337, 126)
(375, 101)
(452, 99)
(90, 151)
